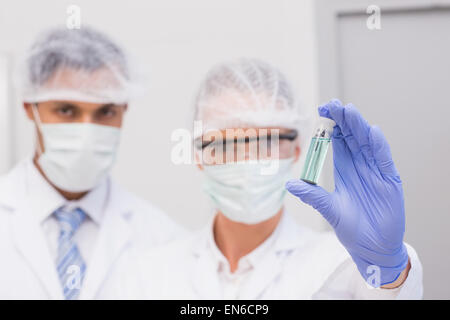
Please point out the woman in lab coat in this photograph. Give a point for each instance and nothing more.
(64, 224)
(252, 248)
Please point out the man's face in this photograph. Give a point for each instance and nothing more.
(77, 112)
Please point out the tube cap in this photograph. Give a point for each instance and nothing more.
(327, 123)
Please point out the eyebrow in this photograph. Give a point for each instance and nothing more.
(66, 104)
(71, 105)
(108, 105)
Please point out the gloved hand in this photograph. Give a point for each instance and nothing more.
(366, 210)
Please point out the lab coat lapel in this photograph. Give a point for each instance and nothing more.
(114, 236)
(30, 241)
(204, 270)
(205, 280)
(271, 265)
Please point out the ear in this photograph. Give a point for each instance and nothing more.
(27, 106)
(125, 107)
(197, 161)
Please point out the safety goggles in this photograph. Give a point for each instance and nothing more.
(241, 145)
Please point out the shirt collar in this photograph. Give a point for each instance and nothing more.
(45, 199)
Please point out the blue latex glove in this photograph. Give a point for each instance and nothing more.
(366, 210)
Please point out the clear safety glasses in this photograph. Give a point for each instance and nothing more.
(233, 145)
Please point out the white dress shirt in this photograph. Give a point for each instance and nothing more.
(45, 200)
(232, 282)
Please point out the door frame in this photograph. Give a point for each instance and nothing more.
(6, 116)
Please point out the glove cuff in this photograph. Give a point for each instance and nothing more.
(382, 269)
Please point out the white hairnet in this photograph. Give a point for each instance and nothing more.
(246, 93)
(74, 64)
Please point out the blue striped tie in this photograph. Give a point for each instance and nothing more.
(70, 265)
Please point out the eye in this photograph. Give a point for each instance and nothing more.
(66, 111)
(107, 112)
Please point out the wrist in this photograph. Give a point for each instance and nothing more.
(400, 279)
(381, 270)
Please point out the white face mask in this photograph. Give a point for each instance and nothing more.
(243, 193)
(78, 156)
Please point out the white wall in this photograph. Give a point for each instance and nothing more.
(176, 41)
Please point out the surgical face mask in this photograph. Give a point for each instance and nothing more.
(244, 192)
(77, 156)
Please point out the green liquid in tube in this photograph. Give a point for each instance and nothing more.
(315, 159)
(317, 152)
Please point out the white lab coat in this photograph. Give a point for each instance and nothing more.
(27, 270)
(301, 264)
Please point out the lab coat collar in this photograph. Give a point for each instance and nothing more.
(26, 232)
(114, 237)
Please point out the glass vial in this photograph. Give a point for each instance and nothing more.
(317, 151)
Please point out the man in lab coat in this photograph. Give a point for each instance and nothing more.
(252, 248)
(64, 223)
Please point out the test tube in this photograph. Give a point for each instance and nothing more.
(317, 151)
